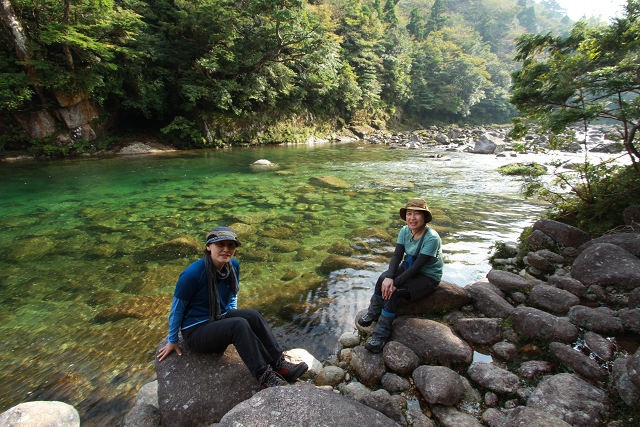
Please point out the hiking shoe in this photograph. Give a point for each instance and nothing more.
(367, 319)
(289, 371)
(270, 378)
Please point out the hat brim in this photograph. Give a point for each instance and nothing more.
(223, 238)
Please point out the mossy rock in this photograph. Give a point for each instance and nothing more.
(338, 262)
(303, 255)
(278, 233)
(370, 233)
(290, 275)
(393, 183)
(177, 247)
(145, 307)
(328, 182)
(286, 246)
(361, 247)
(253, 217)
(257, 255)
(340, 248)
(523, 169)
(241, 229)
(31, 249)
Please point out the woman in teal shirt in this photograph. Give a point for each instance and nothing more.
(416, 277)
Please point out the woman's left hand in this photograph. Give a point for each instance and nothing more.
(388, 288)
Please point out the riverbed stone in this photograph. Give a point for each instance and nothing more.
(395, 383)
(338, 262)
(505, 350)
(605, 264)
(416, 418)
(369, 367)
(438, 384)
(488, 144)
(594, 320)
(633, 368)
(572, 399)
(564, 234)
(370, 234)
(148, 393)
(41, 414)
(447, 296)
(568, 284)
(535, 368)
(431, 341)
(400, 358)
(138, 307)
(349, 339)
(199, 388)
(536, 323)
(553, 299)
(535, 260)
(577, 361)
(178, 247)
(143, 415)
(30, 249)
(531, 417)
(627, 390)
(488, 302)
(508, 282)
(493, 377)
(630, 318)
(286, 246)
(480, 331)
(634, 298)
(630, 242)
(381, 401)
(539, 240)
(449, 416)
(353, 390)
(329, 375)
(252, 218)
(296, 406)
(328, 182)
(602, 347)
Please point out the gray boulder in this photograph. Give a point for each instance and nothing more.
(330, 375)
(633, 368)
(400, 358)
(603, 348)
(530, 417)
(568, 284)
(368, 366)
(432, 342)
(540, 324)
(630, 242)
(488, 302)
(634, 298)
(143, 415)
(627, 390)
(599, 321)
(439, 384)
(447, 296)
(488, 144)
(605, 264)
(480, 331)
(553, 299)
(508, 282)
(198, 388)
(449, 416)
(505, 350)
(354, 390)
(630, 318)
(572, 399)
(539, 240)
(577, 361)
(394, 383)
(296, 406)
(381, 401)
(493, 377)
(538, 261)
(564, 234)
(534, 368)
(41, 414)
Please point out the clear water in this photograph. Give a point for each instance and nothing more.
(86, 276)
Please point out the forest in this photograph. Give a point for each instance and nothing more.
(199, 73)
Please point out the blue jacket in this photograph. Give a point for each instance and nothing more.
(190, 304)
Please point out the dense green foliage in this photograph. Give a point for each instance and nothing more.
(197, 69)
(523, 169)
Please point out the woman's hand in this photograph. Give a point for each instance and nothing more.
(387, 288)
(167, 349)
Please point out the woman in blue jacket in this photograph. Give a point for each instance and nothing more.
(204, 308)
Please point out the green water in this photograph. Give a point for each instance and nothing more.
(87, 275)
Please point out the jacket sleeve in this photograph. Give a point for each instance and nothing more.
(175, 318)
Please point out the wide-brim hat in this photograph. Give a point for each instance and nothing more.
(219, 234)
(416, 204)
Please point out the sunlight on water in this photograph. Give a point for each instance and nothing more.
(91, 250)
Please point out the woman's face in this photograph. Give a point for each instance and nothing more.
(221, 252)
(415, 219)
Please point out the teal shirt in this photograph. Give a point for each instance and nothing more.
(432, 246)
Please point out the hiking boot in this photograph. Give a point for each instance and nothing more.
(373, 312)
(270, 378)
(289, 371)
(381, 334)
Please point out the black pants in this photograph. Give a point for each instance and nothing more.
(413, 288)
(246, 329)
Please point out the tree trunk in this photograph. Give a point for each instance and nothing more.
(19, 39)
(65, 46)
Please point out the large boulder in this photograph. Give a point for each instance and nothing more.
(480, 331)
(439, 385)
(368, 366)
(553, 299)
(199, 389)
(576, 360)
(490, 303)
(630, 242)
(328, 182)
(596, 320)
(508, 282)
(564, 234)
(40, 414)
(488, 144)
(296, 406)
(536, 323)
(572, 399)
(531, 417)
(606, 264)
(447, 296)
(633, 368)
(627, 390)
(493, 377)
(433, 342)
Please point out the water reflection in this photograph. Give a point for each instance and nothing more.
(91, 250)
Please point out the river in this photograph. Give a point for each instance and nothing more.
(86, 274)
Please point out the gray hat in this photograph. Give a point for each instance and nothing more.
(219, 234)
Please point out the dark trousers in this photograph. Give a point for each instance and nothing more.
(413, 288)
(246, 329)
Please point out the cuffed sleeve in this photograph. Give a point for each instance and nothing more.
(178, 307)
